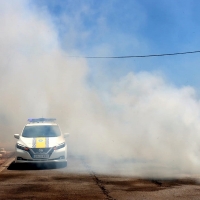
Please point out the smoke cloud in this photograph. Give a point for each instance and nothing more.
(140, 125)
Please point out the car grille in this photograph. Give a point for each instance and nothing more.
(33, 151)
(40, 150)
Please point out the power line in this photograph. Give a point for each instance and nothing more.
(139, 56)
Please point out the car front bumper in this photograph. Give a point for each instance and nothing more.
(54, 156)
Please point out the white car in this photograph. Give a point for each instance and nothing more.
(41, 141)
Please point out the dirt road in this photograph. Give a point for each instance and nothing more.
(78, 181)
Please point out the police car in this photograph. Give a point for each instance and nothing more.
(41, 141)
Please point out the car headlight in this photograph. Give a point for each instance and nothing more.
(60, 146)
(22, 147)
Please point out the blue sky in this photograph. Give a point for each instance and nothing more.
(132, 27)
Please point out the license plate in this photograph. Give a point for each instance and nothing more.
(41, 156)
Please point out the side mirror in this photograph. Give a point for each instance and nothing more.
(16, 136)
(66, 135)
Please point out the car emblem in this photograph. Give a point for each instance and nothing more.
(40, 140)
(40, 150)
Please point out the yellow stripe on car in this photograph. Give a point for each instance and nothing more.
(40, 142)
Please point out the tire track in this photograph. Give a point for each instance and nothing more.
(97, 180)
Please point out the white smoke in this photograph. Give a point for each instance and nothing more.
(140, 125)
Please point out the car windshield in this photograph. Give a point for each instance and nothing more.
(41, 131)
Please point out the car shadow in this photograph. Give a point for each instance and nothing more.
(36, 166)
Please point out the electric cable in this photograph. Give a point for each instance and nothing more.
(137, 56)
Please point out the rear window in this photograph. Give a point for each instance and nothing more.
(41, 131)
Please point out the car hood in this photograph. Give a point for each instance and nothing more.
(41, 142)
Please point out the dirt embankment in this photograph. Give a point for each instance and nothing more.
(5, 155)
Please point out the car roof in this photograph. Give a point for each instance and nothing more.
(42, 124)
